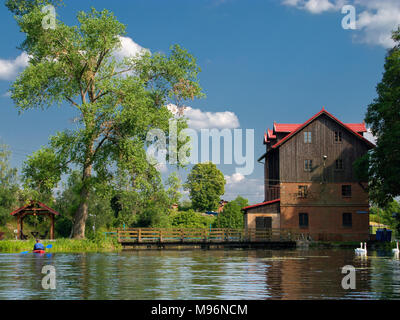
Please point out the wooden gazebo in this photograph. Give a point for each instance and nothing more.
(34, 208)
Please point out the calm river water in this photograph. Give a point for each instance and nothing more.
(197, 274)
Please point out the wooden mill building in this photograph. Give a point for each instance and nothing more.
(310, 185)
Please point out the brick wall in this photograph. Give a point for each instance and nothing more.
(327, 194)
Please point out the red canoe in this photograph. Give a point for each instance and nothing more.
(38, 251)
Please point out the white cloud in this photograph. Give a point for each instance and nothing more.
(129, 48)
(376, 19)
(318, 6)
(198, 119)
(239, 185)
(9, 69)
(313, 6)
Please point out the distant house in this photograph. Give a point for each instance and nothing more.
(310, 186)
(222, 204)
(174, 207)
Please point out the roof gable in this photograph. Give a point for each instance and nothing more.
(349, 128)
(31, 205)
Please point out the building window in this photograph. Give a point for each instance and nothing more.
(302, 193)
(263, 223)
(303, 220)
(347, 219)
(339, 164)
(307, 137)
(346, 190)
(307, 165)
(338, 136)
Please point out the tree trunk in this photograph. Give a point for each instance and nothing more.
(81, 214)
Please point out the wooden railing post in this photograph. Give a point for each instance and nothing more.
(140, 235)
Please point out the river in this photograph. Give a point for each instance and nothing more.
(201, 274)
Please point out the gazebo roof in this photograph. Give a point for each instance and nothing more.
(32, 207)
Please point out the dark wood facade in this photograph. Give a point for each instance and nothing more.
(294, 152)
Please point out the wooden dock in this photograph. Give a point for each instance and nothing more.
(158, 238)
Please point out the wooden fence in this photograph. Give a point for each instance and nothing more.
(152, 235)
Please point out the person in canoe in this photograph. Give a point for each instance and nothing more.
(38, 247)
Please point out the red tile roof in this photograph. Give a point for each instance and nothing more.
(289, 127)
(323, 111)
(271, 134)
(285, 127)
(261, 204)
(357, 127)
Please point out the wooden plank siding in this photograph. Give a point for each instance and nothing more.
(294, 151)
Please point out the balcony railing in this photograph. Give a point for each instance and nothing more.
(272, 193)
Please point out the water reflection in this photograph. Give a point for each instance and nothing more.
(219, 274)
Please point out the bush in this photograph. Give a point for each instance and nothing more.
(191, 219)
(232, 215)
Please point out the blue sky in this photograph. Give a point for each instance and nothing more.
(262, 61)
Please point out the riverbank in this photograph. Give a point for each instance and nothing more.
(62, 245)
(374, 245)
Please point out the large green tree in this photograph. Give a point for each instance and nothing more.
(117, 102)
(206, 185)
(383, 116)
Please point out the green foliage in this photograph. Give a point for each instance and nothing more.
(191, 219)
(232, 215)
(117, 101)
(99, 206)
(384, 117)
(21, 7)
(96, 244)
(206, 185)
(185, 205)
(142, 202)
(385, 216)
(42, 171)
(8, 185)
(174, 183)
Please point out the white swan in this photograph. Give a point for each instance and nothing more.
(361, 250)
(396, 250)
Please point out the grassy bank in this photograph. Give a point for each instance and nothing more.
(62, 245)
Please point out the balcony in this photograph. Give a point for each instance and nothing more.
(272, 193)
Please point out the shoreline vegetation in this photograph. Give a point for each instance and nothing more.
(97, 244)
(63, 245)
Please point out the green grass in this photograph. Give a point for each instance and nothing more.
(62, 245)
